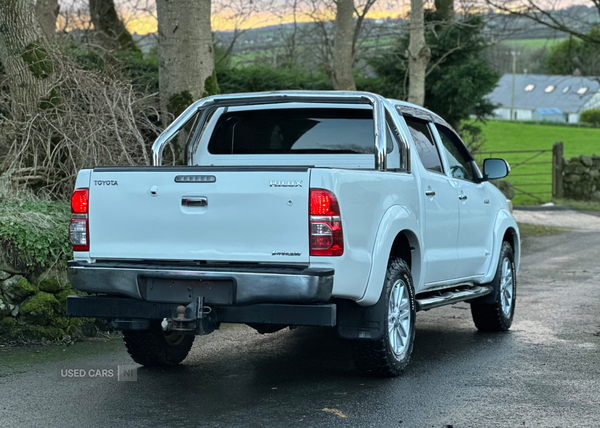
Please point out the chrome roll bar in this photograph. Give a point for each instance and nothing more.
(374, 100)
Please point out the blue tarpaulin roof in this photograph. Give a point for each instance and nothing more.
(545, 111)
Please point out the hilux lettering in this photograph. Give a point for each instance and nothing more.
(291, 183)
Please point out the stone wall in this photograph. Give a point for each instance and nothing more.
(34, 250)
(581, 178)
(37, 311)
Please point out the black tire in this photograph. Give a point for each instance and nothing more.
(377, 357)
(496, 316)
(156, 348)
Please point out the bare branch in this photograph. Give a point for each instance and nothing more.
(533, 10)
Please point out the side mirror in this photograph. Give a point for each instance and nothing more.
(494, 169)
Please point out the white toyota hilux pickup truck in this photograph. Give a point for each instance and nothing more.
(301, 208)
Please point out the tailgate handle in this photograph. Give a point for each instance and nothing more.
(194, 202)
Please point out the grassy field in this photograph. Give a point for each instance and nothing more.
(535, 175)
(533, 44)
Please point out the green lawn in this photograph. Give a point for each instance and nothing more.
(506, 136)
(533, 43)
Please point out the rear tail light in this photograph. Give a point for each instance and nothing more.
(79, 201)
(79, 231)
(326, 237)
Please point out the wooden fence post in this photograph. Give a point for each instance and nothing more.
(557, 170)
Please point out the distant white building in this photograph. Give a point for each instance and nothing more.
(540, 97)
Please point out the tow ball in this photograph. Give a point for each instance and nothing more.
(195, 318)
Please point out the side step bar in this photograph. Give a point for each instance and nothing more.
(450, 297)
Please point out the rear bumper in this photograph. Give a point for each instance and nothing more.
(219, 285)
(122, 308)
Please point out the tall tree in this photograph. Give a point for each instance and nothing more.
(418, 54)
(186, 56)
(24, 55)
(109, 28)
(239, 15)
(575, 54)
(445, 10)
(289, 38)
(47, 12)
(320, 36)
(341, 75)
(458, 78)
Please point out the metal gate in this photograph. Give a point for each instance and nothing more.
(531, 173)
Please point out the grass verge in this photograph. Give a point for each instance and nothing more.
(527, 229)
(579, 205)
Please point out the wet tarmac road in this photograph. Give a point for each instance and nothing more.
(544, 373)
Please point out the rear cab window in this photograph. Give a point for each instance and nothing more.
(295, 131)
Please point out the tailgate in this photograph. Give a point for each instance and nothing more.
(196, 213)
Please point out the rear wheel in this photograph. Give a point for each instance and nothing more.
(389, 355)
(155, 347)
(498, 316)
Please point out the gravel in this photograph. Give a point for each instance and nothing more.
(575, 220)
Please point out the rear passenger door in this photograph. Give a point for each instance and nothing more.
(475, 232)
(440, 205)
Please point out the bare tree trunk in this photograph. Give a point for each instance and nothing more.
(46, 12)
(362, 14)
(342, 77)
(110, 30)
(186, 57)
(290, 41)
(418, 54)
(24, 54)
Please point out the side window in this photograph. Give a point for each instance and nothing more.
(425, 144)
(459, 160)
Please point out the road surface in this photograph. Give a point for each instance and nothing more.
(544, 373)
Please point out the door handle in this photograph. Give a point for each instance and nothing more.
(429, 193)
(194, 202)
(463, 197)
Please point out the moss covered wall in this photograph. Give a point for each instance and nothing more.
(35, 311)
(581, 178)
(34, 249)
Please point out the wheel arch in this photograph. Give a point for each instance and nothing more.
(505, 229)
(407, 247)
(398, 235)
(511, 235)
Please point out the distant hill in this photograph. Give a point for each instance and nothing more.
(379, 34)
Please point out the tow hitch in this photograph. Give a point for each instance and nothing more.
(195, 318)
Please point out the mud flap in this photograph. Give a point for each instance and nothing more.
(361, 322)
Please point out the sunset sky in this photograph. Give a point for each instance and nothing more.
(143, 22)
(139, 15)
